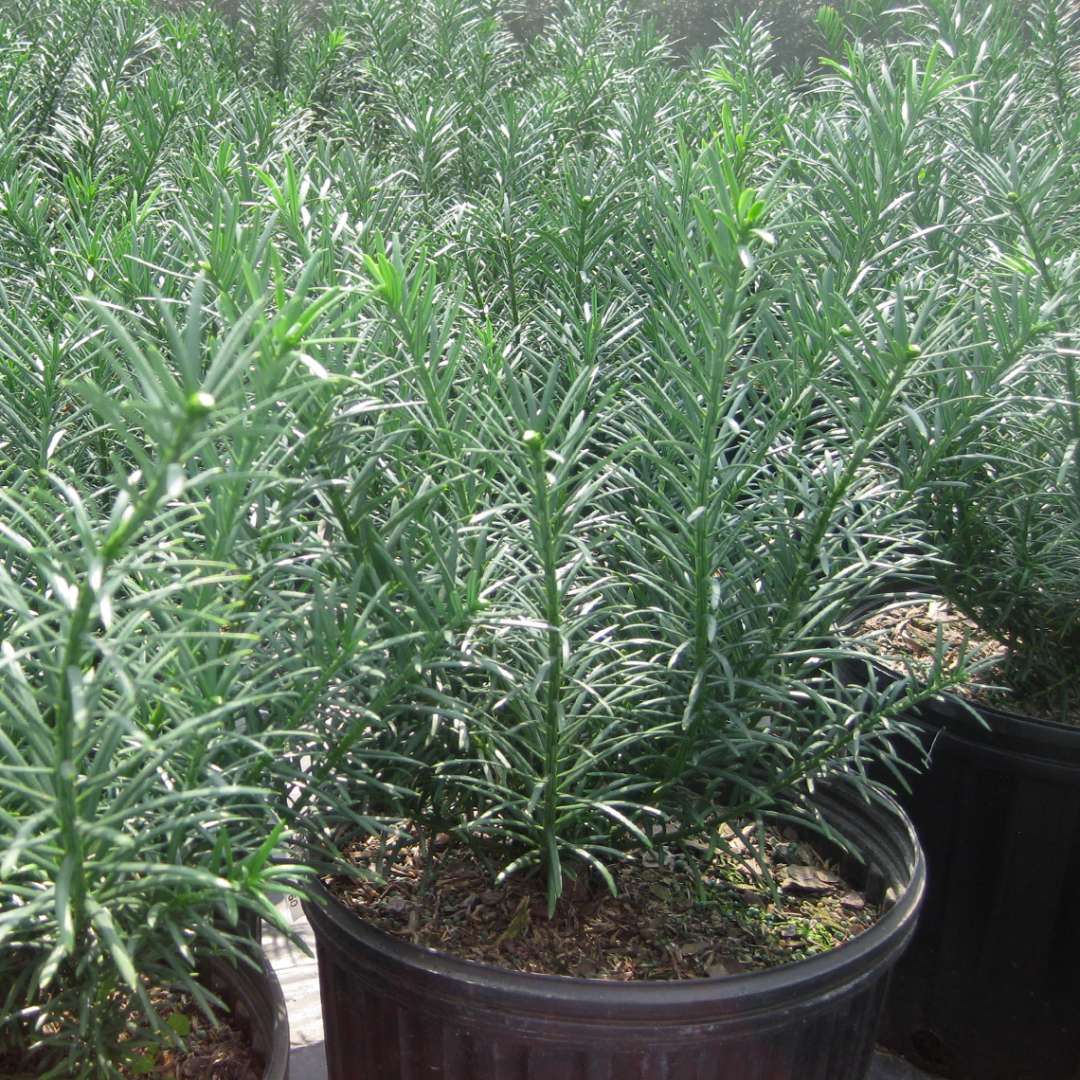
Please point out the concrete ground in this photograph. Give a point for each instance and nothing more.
(299, 975)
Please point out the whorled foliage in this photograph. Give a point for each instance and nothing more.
(404, 419)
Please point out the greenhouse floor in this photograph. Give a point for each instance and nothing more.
(300, 982)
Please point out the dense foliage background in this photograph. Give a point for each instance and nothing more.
(411, 410)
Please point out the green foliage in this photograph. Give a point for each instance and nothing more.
(407, 420)
(992, 452)
(134, 835)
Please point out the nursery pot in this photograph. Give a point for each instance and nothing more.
(255, 997)
(397, 1011)
(990, 988)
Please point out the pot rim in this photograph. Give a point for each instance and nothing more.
(845, 965)
(1017, 733)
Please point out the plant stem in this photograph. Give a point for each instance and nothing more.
(552, 607)
(65, 774)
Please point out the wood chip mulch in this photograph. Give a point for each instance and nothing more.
(221, 1052)
(213, 1052)
(905, 636)
(659, 926)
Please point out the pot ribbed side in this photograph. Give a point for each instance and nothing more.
(990, 988)
(394, 1011)
(374, 1037)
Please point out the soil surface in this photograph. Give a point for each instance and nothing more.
(905, 637)
(668, 921)
(213, 1052)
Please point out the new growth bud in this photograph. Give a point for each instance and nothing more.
(200, 404)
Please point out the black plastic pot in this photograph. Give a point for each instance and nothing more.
(255, 998)
(990, 988)
(395, 1011)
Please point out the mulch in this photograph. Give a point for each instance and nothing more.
(213, 1052)
(680, 913)
(904, 637)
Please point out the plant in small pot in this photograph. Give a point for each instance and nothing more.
(990, 987)
(135, 849)
(605, 691)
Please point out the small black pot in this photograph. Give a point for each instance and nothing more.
(990, 988)
(255, 998)
(395, 1011)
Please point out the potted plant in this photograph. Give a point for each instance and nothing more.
(137, 849)
(153, 549)
(600, 549)
(998, 497)
(1002, 771)
(990, 469)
